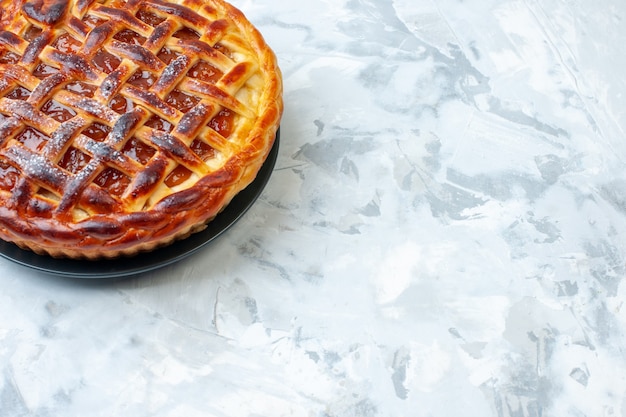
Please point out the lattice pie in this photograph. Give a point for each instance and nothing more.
(125, 125)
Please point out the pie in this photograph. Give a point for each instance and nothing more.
(126, 125)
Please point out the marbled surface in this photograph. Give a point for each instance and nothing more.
(444, 234)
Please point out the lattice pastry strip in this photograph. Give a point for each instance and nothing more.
(60, 137)
(126, 125)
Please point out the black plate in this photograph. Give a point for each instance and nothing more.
(158, 258)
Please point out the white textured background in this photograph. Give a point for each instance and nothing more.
(443, 235)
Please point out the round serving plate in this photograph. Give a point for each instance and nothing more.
(125, 267)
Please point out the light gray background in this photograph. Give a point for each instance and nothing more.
(443, 235)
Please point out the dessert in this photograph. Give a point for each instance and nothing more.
(127, 125)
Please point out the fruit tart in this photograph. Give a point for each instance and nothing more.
(127, 125)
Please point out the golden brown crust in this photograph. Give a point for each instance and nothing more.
(125, 125)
